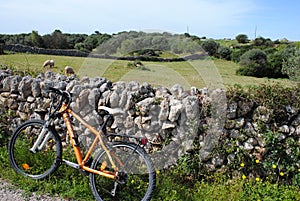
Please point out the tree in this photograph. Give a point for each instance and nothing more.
(253, 63)
(224, 53)
(36, 39)
(211, 47)
(242, 38)
(291, 66)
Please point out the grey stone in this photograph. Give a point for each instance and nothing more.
(175, 109)
(232, 110)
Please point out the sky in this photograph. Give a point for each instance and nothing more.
(216, 19)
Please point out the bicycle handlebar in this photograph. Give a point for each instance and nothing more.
(64, 97)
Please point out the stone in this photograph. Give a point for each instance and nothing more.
(82, 99)
(175, 110)
(177, 91)
(244, 108)
(239, 123)
(35, 88)
(232, 110)
(248, 146)
(191, 107)
(5, 94)
(284, 129)
(262, 113)
(144, 105)
(249, 129)
(30, 99)
(14, 84)
(168, 125)
(164, 110)
(218, 161)
(114, 99)
(6, 83)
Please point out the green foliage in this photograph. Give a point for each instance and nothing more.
(242, 38)
(291, 65)
(5, 122)
(211, 47)
(224, 53)
(253, 63)
(278, 160)
(261, 41)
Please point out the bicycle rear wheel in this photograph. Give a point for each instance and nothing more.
(45, 160)
(137, 177)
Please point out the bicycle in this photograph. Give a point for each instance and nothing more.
(121, 170)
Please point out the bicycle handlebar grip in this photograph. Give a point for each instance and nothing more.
(57, 91)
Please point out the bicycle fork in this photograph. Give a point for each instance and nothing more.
(41, 140)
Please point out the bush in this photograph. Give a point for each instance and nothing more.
(291, 65)
(254, 63)
(224, 53)
(211, 47)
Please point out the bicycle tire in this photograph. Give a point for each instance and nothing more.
(141, 178)
(34, 165)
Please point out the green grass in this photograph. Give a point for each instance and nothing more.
(172, 185)
(200, 73)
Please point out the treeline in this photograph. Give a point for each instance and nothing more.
(260, 57)
(57, 40)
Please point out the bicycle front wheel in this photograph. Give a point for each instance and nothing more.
(136, 180)
(42, 161)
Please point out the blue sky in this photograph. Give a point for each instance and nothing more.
(211, 18)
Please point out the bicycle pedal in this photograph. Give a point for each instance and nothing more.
(103, 166)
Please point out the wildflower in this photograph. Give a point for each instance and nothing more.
(157, 172)
(257, 179)
(25, 166)
(281, 174)
(257, 161)
(132, 181)
(244, 177)
(274, 166)
(242, 165)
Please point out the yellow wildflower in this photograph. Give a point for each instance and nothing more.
(257, 179)
(257, 161)
(274, 166)
(242, 165)
(157, 172)
(244, 177)
(281, 174)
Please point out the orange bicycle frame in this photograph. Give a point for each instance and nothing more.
(66, 111)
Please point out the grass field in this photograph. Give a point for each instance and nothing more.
(199, 73)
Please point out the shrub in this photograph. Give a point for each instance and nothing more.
(211, 47)
(254, 63)
(224, 53)
(291, 66)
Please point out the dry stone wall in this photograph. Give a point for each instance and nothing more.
(172, 119)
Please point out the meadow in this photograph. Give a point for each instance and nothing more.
(208, 72)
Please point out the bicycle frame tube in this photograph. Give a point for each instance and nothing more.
(65, 113)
